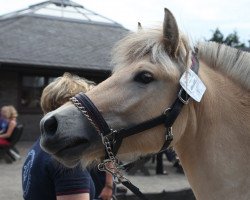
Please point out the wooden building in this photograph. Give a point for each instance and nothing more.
(42, 42)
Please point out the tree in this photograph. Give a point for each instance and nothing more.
(231, 40)
(217, 36)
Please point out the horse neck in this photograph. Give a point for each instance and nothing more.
(215, 147)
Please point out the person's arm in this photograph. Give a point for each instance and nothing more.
(10, 129)
(107, 191)
(82, 196)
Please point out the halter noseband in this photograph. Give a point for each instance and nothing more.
(112, 139)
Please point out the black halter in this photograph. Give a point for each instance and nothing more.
(114, 137)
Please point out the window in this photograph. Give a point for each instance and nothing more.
(31, 91)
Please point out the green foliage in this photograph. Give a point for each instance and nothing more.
(217, 36)
(231, 40)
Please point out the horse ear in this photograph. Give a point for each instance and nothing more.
(170, 33)
(139, 26)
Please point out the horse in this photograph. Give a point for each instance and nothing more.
(211, 135)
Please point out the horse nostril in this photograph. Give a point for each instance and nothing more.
(50, 126)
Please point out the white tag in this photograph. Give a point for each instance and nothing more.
(193, 85)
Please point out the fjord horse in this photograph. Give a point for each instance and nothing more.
(211, 137)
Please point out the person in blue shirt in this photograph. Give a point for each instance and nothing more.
(8, 123)
(43, 178)
(3, 124)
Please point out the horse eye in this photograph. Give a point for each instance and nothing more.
(144, 77)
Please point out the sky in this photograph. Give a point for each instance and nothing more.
(196, 18)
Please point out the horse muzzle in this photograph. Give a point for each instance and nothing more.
(66, 134)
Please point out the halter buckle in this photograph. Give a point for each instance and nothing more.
(109, 137)
(169, 134)
(180, 97)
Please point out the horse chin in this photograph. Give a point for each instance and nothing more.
(92, 155)
(70, 157)
(74, 156)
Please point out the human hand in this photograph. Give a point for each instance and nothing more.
(106, 193)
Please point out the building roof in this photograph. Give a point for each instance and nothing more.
(63, 9)
(51, 41)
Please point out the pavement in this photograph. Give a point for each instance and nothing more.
(11, 185)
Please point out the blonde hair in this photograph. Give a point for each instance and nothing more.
(60, 90)
(9, 112)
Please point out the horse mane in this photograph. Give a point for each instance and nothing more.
(235, 63)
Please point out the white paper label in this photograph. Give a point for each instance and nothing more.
(193, 85)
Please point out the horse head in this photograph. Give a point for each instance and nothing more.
(145, 82)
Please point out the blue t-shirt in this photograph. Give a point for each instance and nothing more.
(3, 125)
(43, 178)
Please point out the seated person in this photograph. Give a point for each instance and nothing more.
(8, 123)
(43, 178)
(3, 125)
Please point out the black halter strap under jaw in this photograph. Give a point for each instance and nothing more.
(112, 139)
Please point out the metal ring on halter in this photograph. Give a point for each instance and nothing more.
(182, 100)
(111, 135)
(166, 111)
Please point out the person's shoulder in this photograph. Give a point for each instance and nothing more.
(41, 156)
(81, 172)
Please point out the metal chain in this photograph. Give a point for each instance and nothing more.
(85, 112)
(116, 169)
(108, 147)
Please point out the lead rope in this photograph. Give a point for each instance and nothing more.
(111, 164)
(115, 169)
